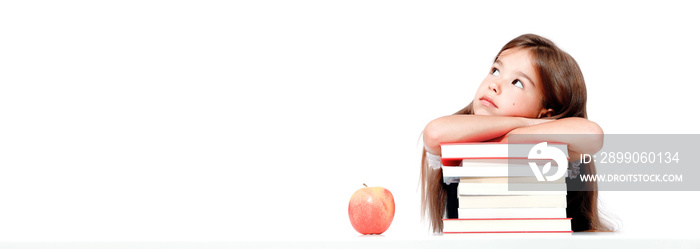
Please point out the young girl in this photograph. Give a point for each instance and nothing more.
(533, 87)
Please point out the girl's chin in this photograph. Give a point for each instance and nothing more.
(483, 113)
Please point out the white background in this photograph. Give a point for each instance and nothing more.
(220, 120)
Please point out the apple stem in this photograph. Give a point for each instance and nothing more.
(365, 185)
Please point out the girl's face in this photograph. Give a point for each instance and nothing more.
(512, 87)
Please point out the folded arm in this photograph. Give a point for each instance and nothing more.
(586, 137)
(470, 128)
(477, 128)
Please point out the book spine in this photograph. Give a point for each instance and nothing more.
(510, 232)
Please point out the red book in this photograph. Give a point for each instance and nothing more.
(507, 225)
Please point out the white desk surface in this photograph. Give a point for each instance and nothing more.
(577, 240)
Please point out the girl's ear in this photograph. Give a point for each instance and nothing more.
(545, 113)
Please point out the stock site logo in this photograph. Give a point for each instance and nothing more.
(542, 151)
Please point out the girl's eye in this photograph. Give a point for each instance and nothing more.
(518, 84)
(495, 72)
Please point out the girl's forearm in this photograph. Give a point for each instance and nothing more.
(468, 128)
(585, 135)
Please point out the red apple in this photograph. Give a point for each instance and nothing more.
(371, 210)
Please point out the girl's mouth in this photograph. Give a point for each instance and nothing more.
(486, 101)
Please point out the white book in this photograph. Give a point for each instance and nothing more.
(467, 188)
(495, 161)
(512, 201)
(493, 171)
(504, 179)
(471, 213)
(503, 162)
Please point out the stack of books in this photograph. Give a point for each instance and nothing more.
(499, 192)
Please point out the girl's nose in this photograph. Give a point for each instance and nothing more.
(495, 87)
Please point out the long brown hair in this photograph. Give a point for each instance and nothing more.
(565, 93)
